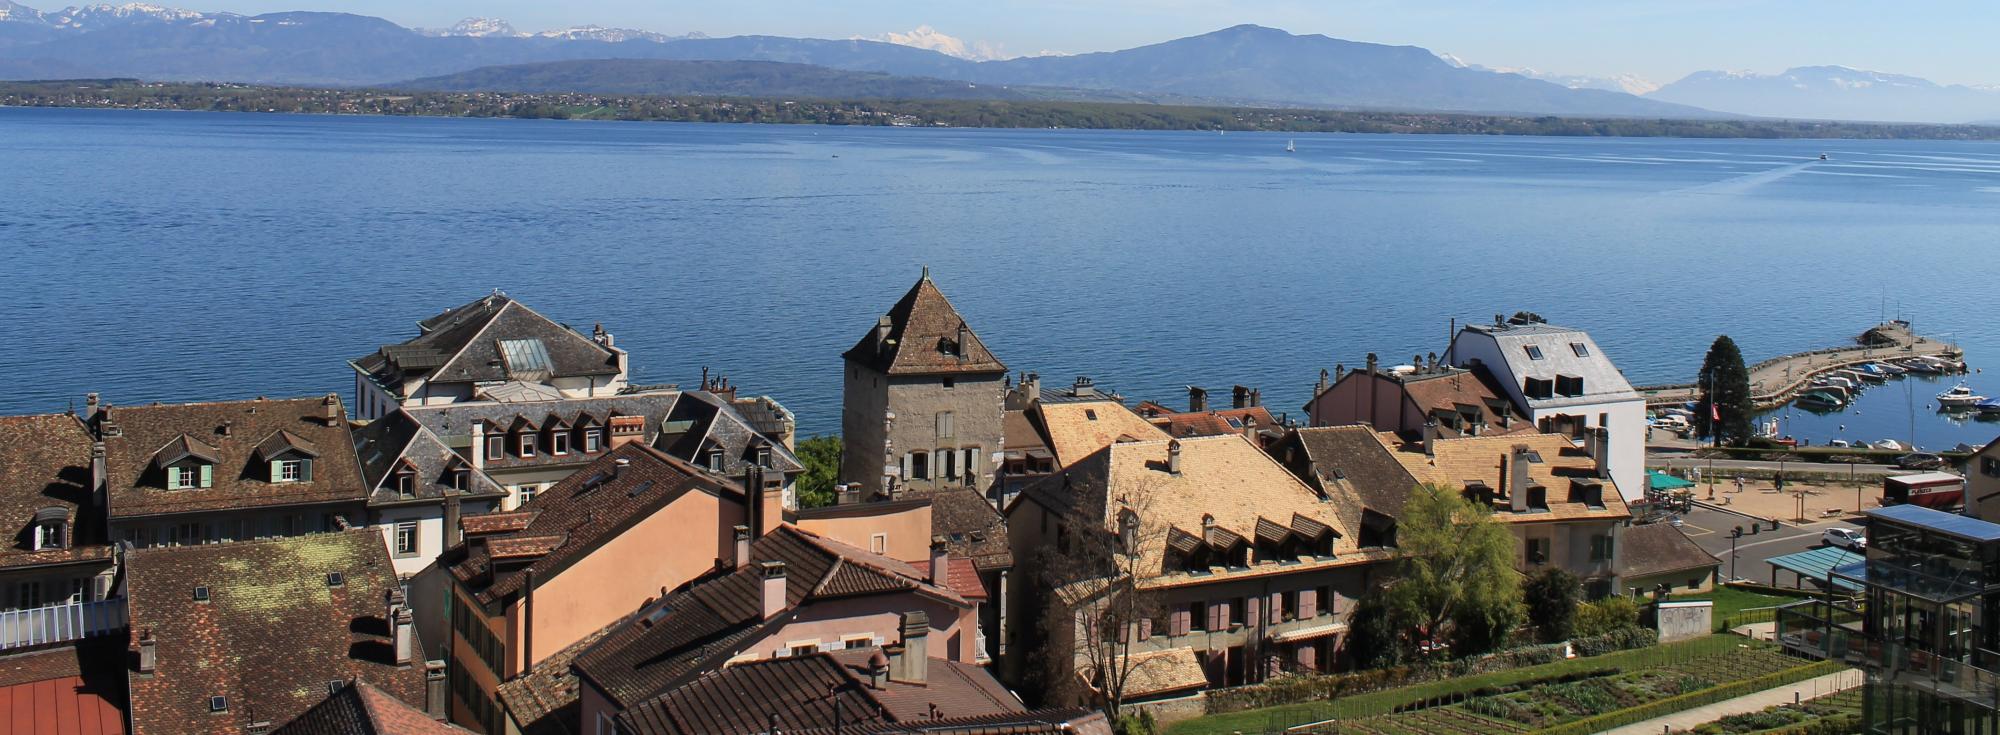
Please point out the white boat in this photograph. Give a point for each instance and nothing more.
(1989, 406)
(1837, 381)
(1886, 368)
(1959, 397)
(1890, 445)
(1291, 146)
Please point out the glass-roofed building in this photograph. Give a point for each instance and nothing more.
(1925, 626)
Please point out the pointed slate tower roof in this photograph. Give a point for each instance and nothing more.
(924, 335)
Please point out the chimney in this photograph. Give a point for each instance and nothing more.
(1250, 427)
(478, 444)
(330, 409)
(601, 337)
(1372, 363)
(452, 512)
(1430, 438)
(882, 328)
(1601, 450)
(99, 476)
(1256, 397)
(89, 405)
(940, 559)
(908, 662)
(773, 596)
(878, 669)
(626, 429)
(1031, 386)
(434, 689)
(1239, 397)
(148, 657)
(1197, 400)
(958, 347)
(105, 426)
(1517, 478)
(1321, 386)
(618, 467)
(400, 621)
(740, 555)
(1173, 456)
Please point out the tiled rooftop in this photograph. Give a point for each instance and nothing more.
(45, 467)
(138, 439)
(924, 338)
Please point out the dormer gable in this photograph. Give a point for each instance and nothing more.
(287, 457)
(186, 463)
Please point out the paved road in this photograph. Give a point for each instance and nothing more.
(1860, 470)
(1710, 530)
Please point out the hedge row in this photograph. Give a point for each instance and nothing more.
(1692, 700)
(1314, 687)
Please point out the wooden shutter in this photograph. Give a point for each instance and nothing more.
(173, 477)
(1145, 628)
(1308, 604)
(1178, 623)
(207, 475)
(1215, 616)
(305, 470)
(906, 465)
(1250, 609)
(1276, 607)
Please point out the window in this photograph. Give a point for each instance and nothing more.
(949, 383)
(189, 476)
(715, 460)
(1579, 349)
(879, 543)
(291, 470)
(947, 464)
(186, 534)
(1534, 351)
(406, 485)
(1569, 385)
(139, 538)
(1090, 414)
(496, 446)
(944, 424)
(218, 704)
(1989, 466)
(1600, 548)
(591, 441)
(920, 465)
(1539, 388)
(559, 443)
(1538, 551)
(864, 641)
(79, 590)
(527, 447)
(460, 478)
(1236, 610)
(28, 594)
(803, 649)
(49, 535)
(406, 538)
(527, 493)
(1197, 616)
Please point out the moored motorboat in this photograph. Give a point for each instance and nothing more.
(1959, 396)
(1821, 399)
(1988, 406)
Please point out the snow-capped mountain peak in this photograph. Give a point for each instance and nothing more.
(926, 37)
(1628, 83)
(96, 16)
(11, 11)
(481, 28)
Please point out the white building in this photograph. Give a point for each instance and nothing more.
(1563, 383)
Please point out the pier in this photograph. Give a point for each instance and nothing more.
(1778, 380)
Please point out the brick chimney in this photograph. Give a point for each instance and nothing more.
(909, 662)
(148, 657)
(401, 622)
(1197, 400)
(434, 690)
(1239, 397)
(773, 595)
(1174, 456)
(940, 562)
(740, 554)
(626, 429)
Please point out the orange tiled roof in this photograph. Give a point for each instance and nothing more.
(1463, 461)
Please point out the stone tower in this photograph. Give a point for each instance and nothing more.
(922, 401)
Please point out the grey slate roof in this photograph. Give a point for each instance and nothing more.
(1659, 548)
(711, 423)
(388, 442)
(1601, 380)
(464, 345)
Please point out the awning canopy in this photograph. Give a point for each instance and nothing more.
(1658, 480)
(1818, 564)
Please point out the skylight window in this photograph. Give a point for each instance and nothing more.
(526, 358)
(201, 594)
(335, 579)
(218, 704)
(1580, 349)
(1090, 413)
(1534, 351)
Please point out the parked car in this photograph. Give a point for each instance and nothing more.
(1920, 461)
(1851, 539)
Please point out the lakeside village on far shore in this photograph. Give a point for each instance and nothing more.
(496, 532)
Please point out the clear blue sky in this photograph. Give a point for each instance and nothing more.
(1948, 41)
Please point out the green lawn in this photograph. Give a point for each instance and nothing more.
(1731, 602)
(1384, 702)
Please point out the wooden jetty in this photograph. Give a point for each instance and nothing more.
(1777, 381)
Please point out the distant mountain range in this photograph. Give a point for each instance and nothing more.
(1834, 93)
(1243, 65)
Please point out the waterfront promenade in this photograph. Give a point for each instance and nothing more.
(1778, 380)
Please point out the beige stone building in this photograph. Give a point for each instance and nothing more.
(922, 400)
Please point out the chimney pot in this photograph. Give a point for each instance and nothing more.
(1372, 363)
(1197, 400)
(773, 597)
(434, 689)
(148, 656)
(908, 662)
(1173, 456)
(1239, 397)
(740, 555)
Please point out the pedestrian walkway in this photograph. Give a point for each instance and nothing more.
(1813, 688)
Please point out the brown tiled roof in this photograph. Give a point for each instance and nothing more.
(363, 709)
(1227, 478)
(241, 478)
(574, 517)
(963, 577)
(1463, 461)
(692, 630)
(1075, 430)
(1070, 721)
(545, 699)
(1659, 548)
(971, 527)
(462, 345)
(1159, 672)
(1352, 467)
(802, 692)
(1213, 422)
(45, 464)
(1451, 389)
(77, 689)
(271, 635)
(924, 334)
(502, 522)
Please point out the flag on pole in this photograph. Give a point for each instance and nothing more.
(1714, 413)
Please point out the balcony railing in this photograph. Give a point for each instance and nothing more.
(60, 623)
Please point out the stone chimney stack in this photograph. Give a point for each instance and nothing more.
(434, 689)
(598, 335)
(882, 328)
(940, 562)
(402, 623)
(330, 409)
(1600, 451)
(740, 554)
(909, 662)
(773, 596)
(1031, 386)
(1239, 397)
(1372, 363)
(1173, 456)
(148, 656)
(478, 445)
(1430, 438)
(100, 476)
(453, 530)
(1197, 400)
(89, 405)
(1339, 371)
(1321, 386)
(1517, 478)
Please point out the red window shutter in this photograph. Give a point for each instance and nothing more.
(1250, 611)
(1216, 615)
(1276, 606)
(1308, 603)
(1145, 628)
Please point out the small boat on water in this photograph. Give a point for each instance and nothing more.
(1291, 146)
(1883, 368)
(1860, 376)
(1890, 445)
(1990, 406)
(1822, 400)
(1959, 396)
(1837, 381)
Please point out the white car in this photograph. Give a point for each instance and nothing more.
(1851, 539)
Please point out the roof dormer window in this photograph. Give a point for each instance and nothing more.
(406, 485)
(190, 475)
(51, 529)
(1580, 349)
(1534, 351)
(461, 478)
(525, 445)
(715, 460)
(297, 469)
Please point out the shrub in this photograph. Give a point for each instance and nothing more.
(1620, 639)
(1551, 597)
(1603, 616)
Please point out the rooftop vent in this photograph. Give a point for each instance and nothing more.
(336, 579)
(218, 704)
(201, 594)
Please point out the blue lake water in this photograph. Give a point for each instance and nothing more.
(188, 256)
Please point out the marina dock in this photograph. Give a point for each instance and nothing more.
(1778, 380)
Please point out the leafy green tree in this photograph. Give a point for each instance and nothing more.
(821, 456)
(1551, 596)
(1603, 616)
(1455, 584)
(1373, 641)
(1724, 384)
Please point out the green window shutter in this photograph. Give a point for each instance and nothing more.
(276, 473)
(305, 470)
(173, 477)
(207, 476)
